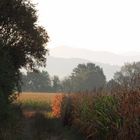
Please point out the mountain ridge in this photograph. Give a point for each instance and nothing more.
(63, 67)
(97, 56)
(62, 60)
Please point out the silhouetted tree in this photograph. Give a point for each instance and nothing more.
(22, 43)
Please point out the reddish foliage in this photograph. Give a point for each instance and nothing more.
(56, 106)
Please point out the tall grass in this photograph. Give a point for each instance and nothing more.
(102, 116)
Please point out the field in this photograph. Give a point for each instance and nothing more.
(90, 115)
(37, 102)
(37, 96)
(42, 117)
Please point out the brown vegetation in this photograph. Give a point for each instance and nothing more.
(102, 116)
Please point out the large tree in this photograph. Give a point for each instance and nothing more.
(22, 43)
(85, 77)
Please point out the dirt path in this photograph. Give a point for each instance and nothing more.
(27, 131)
(38, 127)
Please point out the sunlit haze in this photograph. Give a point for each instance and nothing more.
(99, 25)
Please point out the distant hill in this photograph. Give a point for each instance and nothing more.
(64, 66)
(95, 56)
(63, 60)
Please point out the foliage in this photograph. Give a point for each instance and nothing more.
(129, 77)
(85, 77)
(112, 86)
(36, 82)
(104, 116)
(56, 85)
(129, 111)
(67, 85)
(22, 43)
(56, 106)
(40, 82)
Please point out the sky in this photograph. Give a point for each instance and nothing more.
(99, 25)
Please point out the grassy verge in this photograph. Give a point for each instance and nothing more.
(32, 105)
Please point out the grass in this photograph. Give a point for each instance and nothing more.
(36, 105)
(36, 101)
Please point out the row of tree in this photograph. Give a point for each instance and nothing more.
(40, 82)
(85, 77)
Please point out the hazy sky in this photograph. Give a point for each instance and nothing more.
(103, 25)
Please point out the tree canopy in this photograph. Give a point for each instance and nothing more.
(85, 77)
(22, 43)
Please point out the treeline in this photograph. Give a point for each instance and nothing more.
(40, 82)
(85, 77)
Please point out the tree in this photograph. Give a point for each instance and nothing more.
(22, 43)
(128, 77)
(56, 86)
(86, 77)
(112, 86)
(67, 85)
(36, 82)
